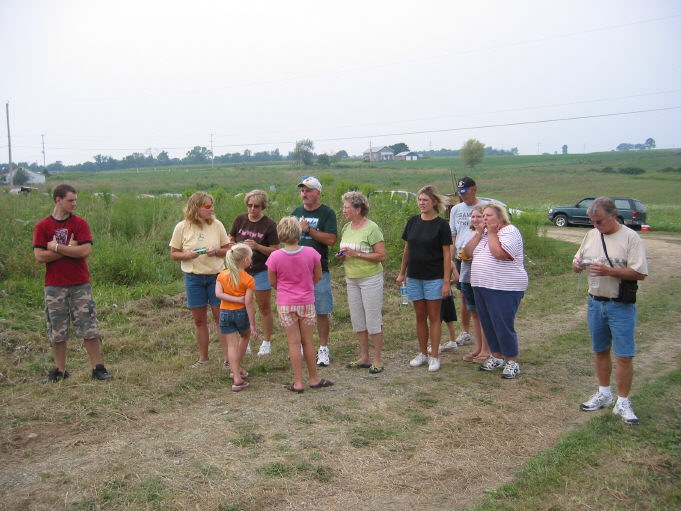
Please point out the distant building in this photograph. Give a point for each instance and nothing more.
(34, 178)
(379, 154)
(407, 155)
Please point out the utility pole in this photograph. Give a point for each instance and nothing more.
(9, 146)
(43, 138)
(212, 156)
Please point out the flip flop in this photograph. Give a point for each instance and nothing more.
(374, 369)
(469, 357)
(244, 374)
(322, 383)
(293, 389)
(241, 386)
(358, 365)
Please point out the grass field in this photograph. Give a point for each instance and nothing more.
(163, 437)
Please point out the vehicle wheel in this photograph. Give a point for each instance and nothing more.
(560, 221)
(620, 220)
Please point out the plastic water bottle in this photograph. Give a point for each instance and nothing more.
(594, 280)
(403, 293)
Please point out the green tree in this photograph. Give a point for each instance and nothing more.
(565, 149)
(399, 147)
(198, 154)
(21, 177)
(163, 158)
(302, 154)
(342, 154)
(650, 143)
(472, 152)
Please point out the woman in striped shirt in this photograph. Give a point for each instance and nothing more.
(499, 282)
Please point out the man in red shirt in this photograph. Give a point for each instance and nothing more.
(62, 241)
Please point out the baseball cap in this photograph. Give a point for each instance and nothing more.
(464, 184)
(310, 182)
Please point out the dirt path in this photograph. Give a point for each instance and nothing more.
(437, 441)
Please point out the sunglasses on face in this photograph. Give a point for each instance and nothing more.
(254, 206)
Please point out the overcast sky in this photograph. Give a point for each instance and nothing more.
(124, 76)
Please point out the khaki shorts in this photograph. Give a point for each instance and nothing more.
(70, 304)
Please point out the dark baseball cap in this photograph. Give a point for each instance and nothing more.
(464, 184)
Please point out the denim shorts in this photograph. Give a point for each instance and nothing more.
(467, 291)
(323, 298)
(262, 283)
(234, 321)
(200, 290)
(612, 324)
(419, 289)
(457, 263)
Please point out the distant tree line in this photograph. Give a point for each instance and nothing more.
(488, 151)
(303, 154)
(648, 144)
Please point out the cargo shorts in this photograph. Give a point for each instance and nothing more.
(70, 304)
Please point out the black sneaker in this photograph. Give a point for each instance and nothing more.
(100, 373)
(56, 375)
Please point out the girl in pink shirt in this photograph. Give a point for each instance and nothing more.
(293, 271)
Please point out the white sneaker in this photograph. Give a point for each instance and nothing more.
(433, 364)
(451, 345)
(623, 409)
(265, 348)
(511, 370)
(418, 360)
(323, 356)
(596, 402)
(492, 364)
(248, 349)
(464, 338)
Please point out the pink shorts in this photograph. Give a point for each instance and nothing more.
(291, 314)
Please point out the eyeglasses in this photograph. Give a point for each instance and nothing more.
(254, 206)
(207, 206)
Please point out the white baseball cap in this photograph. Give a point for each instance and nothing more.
(310, 182)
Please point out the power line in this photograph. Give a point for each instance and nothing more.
(391, 134)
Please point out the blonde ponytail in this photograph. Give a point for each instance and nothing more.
(234, 259)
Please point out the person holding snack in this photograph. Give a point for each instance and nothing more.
(200, 242)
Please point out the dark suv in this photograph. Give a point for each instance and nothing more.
(630, 212)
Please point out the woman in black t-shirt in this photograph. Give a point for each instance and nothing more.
(426, 264)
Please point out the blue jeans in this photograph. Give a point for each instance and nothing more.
(467, 291)
(234, 321)
(261, 281)
(612, 324)
(323, 297)
(200, 290)
(419, 289)
(497, 310)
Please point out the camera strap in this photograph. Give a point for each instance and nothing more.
(606, 250)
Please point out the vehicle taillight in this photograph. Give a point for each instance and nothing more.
(633, 214)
